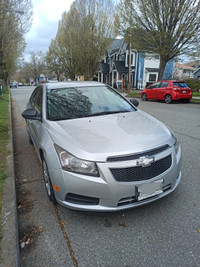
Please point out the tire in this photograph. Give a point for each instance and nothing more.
(47, 182)
(144, 97)
(168, 99)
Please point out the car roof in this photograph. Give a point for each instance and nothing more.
(174, 81)
(57, 85)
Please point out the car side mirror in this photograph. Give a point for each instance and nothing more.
(31, 114)
(134, 102)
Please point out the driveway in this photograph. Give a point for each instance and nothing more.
(164, 233)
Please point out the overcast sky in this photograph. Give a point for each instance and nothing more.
(46, 15)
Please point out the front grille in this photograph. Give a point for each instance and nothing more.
(138, 155)
(138, 173)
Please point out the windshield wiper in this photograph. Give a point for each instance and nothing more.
(106, 113)
(60, 118)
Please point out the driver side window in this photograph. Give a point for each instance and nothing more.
(155, 85)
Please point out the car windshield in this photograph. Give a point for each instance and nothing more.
(78, 102)
(180, 84)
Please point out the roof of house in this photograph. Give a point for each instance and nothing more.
(115, 45)
(104, 67)
(197, 71)
(120, 66)
(184, 66)
(194, 64)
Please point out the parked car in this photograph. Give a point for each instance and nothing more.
(13, 85)
(167, 91)
(98, 151)
(20, 84)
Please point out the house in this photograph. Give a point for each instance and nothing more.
(183, 71)
(113, 69)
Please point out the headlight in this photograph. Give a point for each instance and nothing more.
(72, 164)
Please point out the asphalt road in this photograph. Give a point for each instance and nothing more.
(164, 233)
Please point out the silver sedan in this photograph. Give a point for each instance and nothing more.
(98, 151)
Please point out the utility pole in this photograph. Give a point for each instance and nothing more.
(129, 68)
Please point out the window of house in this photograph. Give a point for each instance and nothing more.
(127, 59)
(152, 77)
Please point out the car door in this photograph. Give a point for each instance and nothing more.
(161, 90)
(152, 90)
(35, 125)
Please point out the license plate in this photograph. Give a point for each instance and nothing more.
(184, 92)
(149, 190)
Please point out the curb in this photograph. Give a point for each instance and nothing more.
(10, 238)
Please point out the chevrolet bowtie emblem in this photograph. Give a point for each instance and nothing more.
(145, 161)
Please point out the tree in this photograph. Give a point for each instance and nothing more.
(37, 65)
(83, 36)
(165, 27)
(124, 23)
(15, 20)
(24, 74)
(54, 64)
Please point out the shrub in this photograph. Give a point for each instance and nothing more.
(194, 84)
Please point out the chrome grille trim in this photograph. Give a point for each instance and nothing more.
(137, 155)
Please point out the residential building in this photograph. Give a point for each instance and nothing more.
(113, 69)
(182, 71)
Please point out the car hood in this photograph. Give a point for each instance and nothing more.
(96, 138)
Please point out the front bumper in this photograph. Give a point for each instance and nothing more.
(104, 193)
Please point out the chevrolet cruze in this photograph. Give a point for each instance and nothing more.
(98, 151)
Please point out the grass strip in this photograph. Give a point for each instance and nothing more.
(196, 93)
(4, 137)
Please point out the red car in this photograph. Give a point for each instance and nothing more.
(167, 91)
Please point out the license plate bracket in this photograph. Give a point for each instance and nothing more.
(148, 190)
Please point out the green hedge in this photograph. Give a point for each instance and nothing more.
(194, 84)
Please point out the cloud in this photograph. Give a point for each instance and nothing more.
(46, 15)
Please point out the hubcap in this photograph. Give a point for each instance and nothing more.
(144, 97)
(168, 99)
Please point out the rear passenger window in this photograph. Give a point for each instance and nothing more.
(164, 84)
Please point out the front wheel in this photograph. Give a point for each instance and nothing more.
(144, 97)
(168, 99)
(47, 181)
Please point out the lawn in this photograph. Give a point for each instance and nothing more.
(196, 93)
(4, 136)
